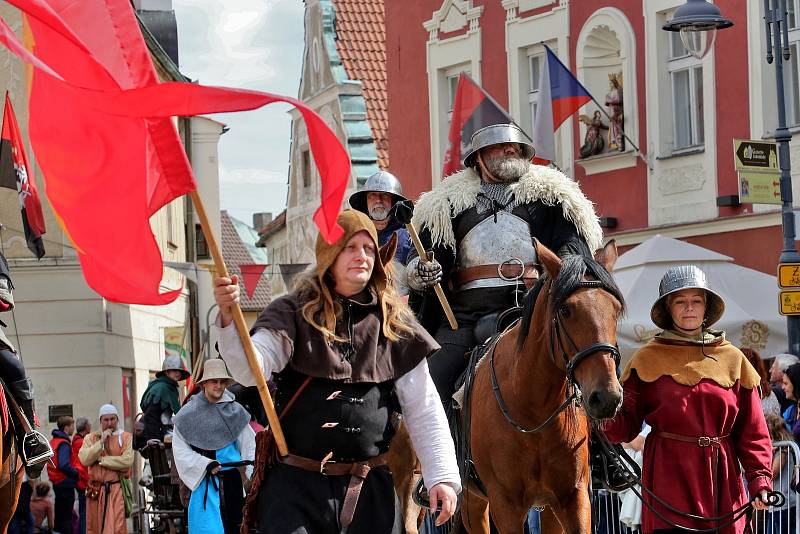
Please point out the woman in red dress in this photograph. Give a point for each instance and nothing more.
(700, 396)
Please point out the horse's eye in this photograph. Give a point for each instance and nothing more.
(564, 310)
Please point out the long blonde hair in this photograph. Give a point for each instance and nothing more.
(320, 309)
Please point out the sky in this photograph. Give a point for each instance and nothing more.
(251, 44)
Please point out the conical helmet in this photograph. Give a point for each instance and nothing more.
(380, 182)
(495, 135)
(677, 279)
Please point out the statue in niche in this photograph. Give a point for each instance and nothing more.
(593, 143)
(616, 139)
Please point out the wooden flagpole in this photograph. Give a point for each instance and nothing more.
(241, 328)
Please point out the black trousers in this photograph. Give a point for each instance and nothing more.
(62, 511)
(296, 501)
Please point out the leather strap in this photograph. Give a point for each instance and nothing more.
(715, 443)
(700, 441)
(358, 472)
(506, 270)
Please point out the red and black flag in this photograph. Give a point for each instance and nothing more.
(473, 108)
(15, 173)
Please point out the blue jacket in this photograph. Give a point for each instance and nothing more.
(63, 456)
(403, 239)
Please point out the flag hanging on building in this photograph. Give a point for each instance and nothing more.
(560, 95)
(473, 108)
(16, 174)
(109, 169)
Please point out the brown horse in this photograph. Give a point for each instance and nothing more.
(10, 471)
(565, 340)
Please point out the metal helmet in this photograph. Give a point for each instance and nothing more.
(174, 362)
(380, 182)
(494, 135)
(677, 279)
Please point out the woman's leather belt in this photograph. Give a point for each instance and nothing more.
(507, 271)
(358, 472)
(701, 441)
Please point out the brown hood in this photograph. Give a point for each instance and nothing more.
(352, 222)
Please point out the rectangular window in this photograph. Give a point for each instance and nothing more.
(792, 7)
(306, 167)
(534, 73)
(791, 85)
(452, 88)
(686, 76)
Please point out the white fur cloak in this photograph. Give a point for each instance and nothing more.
(458, 192)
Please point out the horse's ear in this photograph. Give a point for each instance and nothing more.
(550, 262)
(608, 255)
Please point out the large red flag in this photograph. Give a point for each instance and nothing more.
(473, 108)
(15, 173)
(106, 174)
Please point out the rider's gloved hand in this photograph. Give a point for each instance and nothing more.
(423, 274)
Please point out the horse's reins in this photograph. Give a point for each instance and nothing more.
(774, 498)
(570, 364)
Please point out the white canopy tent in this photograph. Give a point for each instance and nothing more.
(751, 315)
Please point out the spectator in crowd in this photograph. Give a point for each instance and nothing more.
(22, 520)
(791, 388)
(781, 520)
(780, 363)
(211, 431)
(108, 455)
(63, 474)
(694, 388)
(42, 508)
(769, 400)
(82, 427)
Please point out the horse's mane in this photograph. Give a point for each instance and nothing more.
(574, 269)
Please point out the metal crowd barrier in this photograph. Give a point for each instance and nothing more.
(606, 505)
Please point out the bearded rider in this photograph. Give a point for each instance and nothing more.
(480, 224)
(376, 199)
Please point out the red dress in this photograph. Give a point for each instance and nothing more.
(678, 390)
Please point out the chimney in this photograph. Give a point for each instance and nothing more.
(260, 220)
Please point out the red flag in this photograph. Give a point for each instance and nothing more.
(107, 174)
(251, 274)
(473, 108)
(15, 173)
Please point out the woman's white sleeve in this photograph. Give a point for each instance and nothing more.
(424, 417)
(190, 465)
(273, 351)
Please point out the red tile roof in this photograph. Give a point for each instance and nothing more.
(361, 42)
(271, 228)
(235, 254)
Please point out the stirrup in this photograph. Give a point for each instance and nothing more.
(35, 441)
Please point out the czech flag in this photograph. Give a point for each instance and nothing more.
(473, 109)
(559, 87)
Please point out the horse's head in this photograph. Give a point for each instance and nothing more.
(583, 306)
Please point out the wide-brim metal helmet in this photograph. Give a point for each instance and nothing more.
(495, 135)
(380, 182)
(677, 279)
(174, 363)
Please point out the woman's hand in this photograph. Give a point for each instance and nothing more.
(226, 294)
(761, 502)
(445, 493)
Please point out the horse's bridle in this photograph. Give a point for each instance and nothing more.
(557, 331)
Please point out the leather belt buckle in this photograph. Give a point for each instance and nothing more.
(510, 262)
(324, 462)
(705, 441)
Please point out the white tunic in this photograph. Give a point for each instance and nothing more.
(191, 466)
(422, 408)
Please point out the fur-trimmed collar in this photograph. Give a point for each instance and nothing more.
(459, 192)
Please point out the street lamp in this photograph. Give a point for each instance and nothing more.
(698, 22)
(697, 17)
